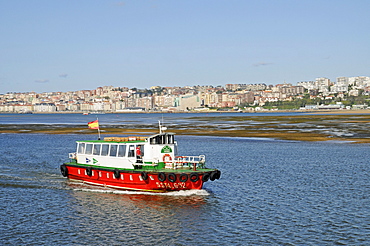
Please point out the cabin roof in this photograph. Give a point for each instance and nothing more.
(104, 141)
(130, 139)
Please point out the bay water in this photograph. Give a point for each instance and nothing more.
(271, 192)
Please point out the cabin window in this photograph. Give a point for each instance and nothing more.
(156, 140)
(104, 149)
(122, 151)
(89, 148)
(96, 150)
(113, 150)
(131, 151)
(81, 148)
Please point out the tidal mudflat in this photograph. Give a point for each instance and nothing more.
(300, 127)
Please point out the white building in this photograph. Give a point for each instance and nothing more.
(309, 85)
(187, 102)
(44, 107)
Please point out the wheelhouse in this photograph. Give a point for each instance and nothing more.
(127, 152)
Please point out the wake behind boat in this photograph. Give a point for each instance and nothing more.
(137, 163)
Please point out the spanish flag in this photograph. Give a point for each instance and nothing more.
(93, 124)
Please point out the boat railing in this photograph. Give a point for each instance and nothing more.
(187, 161)
(142, 163)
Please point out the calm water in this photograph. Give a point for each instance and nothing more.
(270, 193)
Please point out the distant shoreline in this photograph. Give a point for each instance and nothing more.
(350, 111)
(334, 111)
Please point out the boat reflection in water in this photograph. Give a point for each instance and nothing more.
(130, 215)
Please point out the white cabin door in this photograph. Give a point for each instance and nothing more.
(131, 154)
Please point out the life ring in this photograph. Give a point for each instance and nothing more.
(205, 177)
(194, 177)
(161, 177)
(171, 177)
(167, 158)
(183, 177)
(117, 174)
(144, 175)
(89, 171)
(64, 170)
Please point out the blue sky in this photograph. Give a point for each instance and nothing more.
(55, 45)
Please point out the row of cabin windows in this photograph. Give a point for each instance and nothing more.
(162, 139)
(114, 150)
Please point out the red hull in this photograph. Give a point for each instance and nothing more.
(134, 180)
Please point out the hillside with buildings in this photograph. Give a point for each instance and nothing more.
(311, 95)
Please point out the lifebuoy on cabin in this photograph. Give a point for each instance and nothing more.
(167, 158)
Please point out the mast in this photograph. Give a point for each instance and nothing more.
(161, 128)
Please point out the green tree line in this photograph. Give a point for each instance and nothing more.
(302, 102)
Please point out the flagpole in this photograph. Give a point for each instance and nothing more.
(98, 129)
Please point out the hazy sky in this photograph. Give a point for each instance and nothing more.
(55, 45)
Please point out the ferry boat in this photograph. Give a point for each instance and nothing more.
(137, 163)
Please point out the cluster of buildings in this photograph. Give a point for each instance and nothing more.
(123, 99)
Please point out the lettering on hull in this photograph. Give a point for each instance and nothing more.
(165, 185)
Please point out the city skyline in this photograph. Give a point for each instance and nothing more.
(297, 83)
(57, 46)
(345, 92)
